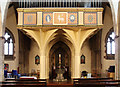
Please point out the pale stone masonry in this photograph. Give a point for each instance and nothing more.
(1, 59)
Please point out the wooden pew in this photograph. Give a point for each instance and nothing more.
(89, 80)
(96, 82)
(97, 85)
(24, 83)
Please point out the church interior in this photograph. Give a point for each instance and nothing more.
(59, 41)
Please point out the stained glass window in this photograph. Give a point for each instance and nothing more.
(110, 45)
(8, 44)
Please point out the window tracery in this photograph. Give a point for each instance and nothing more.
(9, 45)
(110, 45)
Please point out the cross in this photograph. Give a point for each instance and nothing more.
(6, 36)
(112, 35)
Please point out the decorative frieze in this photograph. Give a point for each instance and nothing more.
(60, 17)
(20, 18)
(80, 16)
(90, 18)
(47, 18)
(99, 18)
(30, 18)
(39, 16)
(72, 18)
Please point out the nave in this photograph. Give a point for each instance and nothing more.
(57, 42)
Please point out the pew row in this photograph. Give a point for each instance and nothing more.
(24, 83)
(96, 82)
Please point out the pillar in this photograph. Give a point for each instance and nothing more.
(1, 59)
(117, 49)
(1, 50)
(117, 58)
(77, 66)
(42, 67)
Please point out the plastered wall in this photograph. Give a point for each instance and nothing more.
(107, 26)
(87, 53)
(11, 25)
(33, 52)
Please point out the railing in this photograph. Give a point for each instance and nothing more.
(59, 3)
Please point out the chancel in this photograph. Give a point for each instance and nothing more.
(59, 43)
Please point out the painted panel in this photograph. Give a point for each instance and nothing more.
(20, 18)
(80, 18)
(72, 18)
(99, 18)
(47, 18)
(30, 18)
(90, 18)
(60, 18)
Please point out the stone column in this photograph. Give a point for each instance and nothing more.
(1, 59)
(117, 58)
(117, 50)
(42, 67)
(77, 66)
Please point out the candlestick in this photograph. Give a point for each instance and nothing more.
(59, 58)
(59, 55)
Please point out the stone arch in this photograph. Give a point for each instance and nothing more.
(32, 34)
(118, 18)
(51, 37)
(4, 15)
(113, 15)
(87, 35)
(51, 42)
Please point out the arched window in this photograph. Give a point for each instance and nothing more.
(9, 45)
(110, 45)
